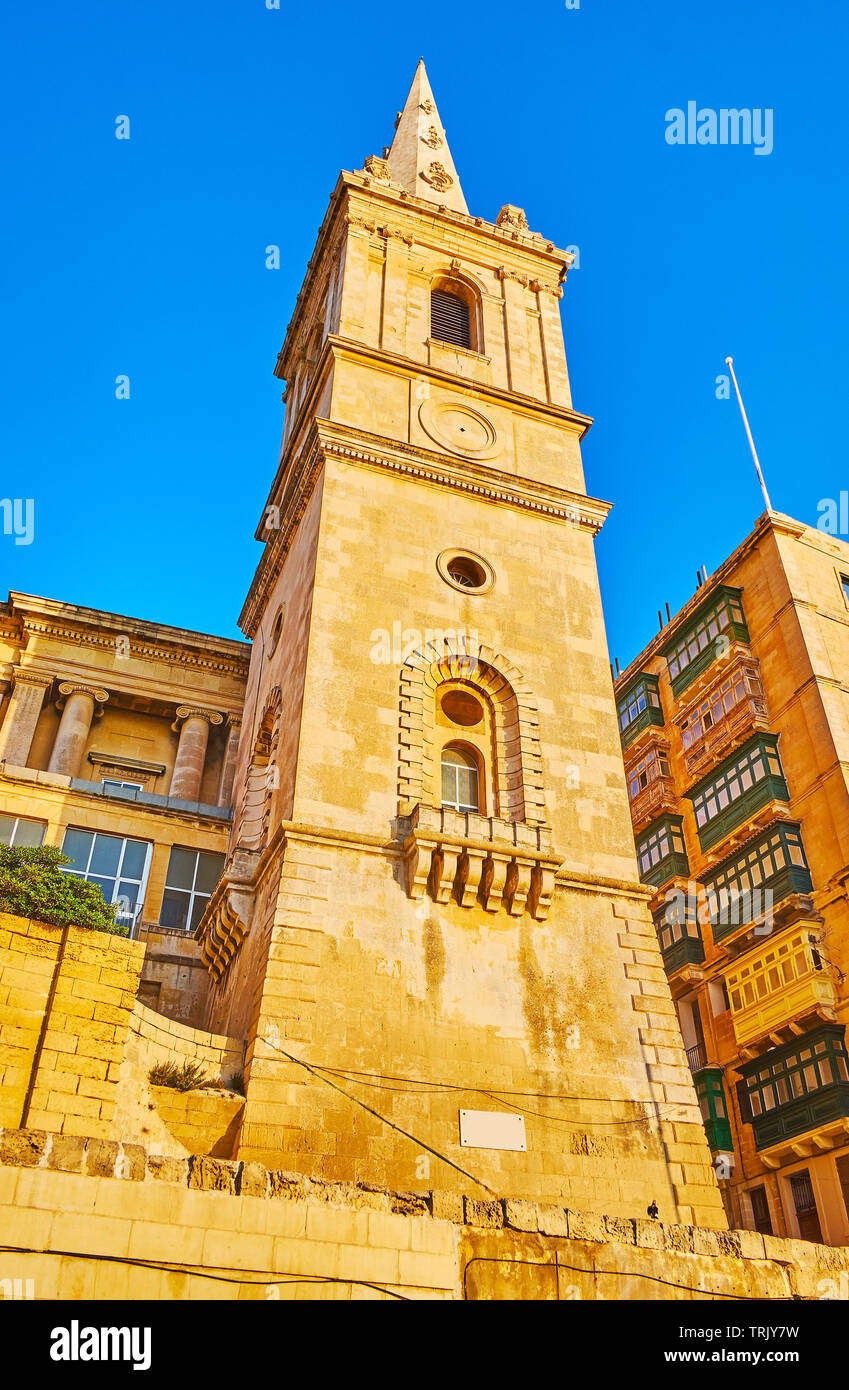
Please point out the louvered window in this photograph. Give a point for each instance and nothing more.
(449, 319)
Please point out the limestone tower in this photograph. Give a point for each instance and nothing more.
(431, 928)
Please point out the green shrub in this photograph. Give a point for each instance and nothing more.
(189, 1077)
(237, 1083)
(32, 884)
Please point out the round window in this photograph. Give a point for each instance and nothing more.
(465, 571)
(462, 708)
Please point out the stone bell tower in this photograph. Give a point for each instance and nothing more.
(431, 928)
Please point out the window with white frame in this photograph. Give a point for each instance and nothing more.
(20, 832)
(648, 769)
(191, 878)
(118, 866)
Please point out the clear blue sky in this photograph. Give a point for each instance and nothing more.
(146, 257)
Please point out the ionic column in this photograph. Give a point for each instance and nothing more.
(22, 711)
(231, 753)
(78, 705)
(191, 751)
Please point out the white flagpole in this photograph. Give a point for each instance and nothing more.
(730, 364)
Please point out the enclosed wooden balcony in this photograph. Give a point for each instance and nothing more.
(779, 990)
(656, 797)
(748, 716)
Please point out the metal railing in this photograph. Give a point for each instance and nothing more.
(696, 1058)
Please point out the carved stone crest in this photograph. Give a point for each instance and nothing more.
(433, 138)
(437, 176)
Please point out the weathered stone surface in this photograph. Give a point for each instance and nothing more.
(483, 1213)
(408, 1203)
(553, 1221)
(522, 1216)
(649, 1234)
(293, 1186)
(750, 1244)
(253, 1180)
(166, 1169)
(621, 1229)
(132, 1162)
(22, 1148)
(213, 1175)
(101, 1155)
(447, 1206)
(66, 1153)
(678, 1237)
(586, 1225)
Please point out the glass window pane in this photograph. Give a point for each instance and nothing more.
(209, 871)
(29, 833)
(106, 886)
(198, 909)
(175, 908)
(135, 852)
(7, 826)
(77, 845)
(181, 867)
(448, 784)
(106, 855)
(129, 890)
(467, 785)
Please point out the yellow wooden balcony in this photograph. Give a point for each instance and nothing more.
(773, 988)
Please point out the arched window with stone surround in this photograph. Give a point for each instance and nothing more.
(454, 314)
(481, 704)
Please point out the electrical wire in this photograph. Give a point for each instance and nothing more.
(479, 1182)
(172, 1267)
(379, 1081)
(618, 1274)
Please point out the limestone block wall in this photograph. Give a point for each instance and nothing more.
(381, 1017)
(86, 1219)
(174, 979)
(76, 1044)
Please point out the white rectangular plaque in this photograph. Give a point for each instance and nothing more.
(492, 1129)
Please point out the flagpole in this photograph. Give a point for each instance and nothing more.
(730, 364)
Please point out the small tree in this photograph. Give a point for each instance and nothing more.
(32, 884)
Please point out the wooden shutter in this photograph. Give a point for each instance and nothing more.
(449, 319)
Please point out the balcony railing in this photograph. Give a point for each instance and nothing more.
(696, 1057)
(748, 715)
(652, 801)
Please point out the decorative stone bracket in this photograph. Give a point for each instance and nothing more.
(227, 919)
(479, 859)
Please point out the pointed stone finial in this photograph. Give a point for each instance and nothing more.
(419, 158)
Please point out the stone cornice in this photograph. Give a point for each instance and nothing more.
(150, 641)
(328, 440)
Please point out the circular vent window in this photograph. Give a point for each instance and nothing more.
(462, 708)
(463, 570)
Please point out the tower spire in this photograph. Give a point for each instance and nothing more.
(419, 157)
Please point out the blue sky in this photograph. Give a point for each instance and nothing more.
(146, 257)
